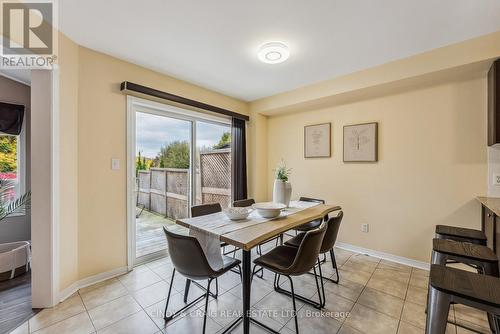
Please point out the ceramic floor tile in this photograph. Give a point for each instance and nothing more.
(359, 277)
(311, 320)
(77, 324)
(389, 286)
(139, 279)
(224, 309)
(191, 323)
(354, 265)
(392, 274)
(382, 302)
(259, 290)
(70, 307)
(406, 328)
(152, 294)
(419, 281)
(345, 288)
(370, 321)
(103, 294)
(106, 314)
(414, 314)
(470, 315)
(416, 295)
(345, 329)
(279, 303)
(384, 264)
(136, 323)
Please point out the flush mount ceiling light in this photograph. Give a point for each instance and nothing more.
(273, 53)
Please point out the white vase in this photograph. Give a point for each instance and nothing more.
(282, 192)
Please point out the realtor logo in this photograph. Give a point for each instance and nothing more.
(28, 34)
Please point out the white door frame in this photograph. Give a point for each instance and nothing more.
(45, 187)
(135, 104)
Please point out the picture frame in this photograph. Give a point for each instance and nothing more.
(360, 142)
(317, 140)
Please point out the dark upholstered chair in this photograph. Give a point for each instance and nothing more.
(243, 203)
(291, 261)
(205, 209)
(189, 259)
(315, 223)
(328, 243)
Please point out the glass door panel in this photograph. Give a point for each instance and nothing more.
(213, 163)
(163, 178)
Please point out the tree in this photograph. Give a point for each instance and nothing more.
(175, 155)
(8, 154)
(224, 141)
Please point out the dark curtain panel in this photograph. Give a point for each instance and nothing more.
(239, 159)
(11, 118)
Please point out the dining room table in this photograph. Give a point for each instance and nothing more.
(249, 233)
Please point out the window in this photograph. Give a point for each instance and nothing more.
(12, 161)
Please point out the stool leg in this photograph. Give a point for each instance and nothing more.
(186, 290)
(438, 308)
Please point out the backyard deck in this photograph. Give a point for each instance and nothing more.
(149, 233)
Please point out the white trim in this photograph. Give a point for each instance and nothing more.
(91, 280)
(56, 146)
(130, 182)
(384, 256)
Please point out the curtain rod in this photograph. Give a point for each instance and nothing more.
(127, 86)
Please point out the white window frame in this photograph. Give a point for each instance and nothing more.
(20, 187)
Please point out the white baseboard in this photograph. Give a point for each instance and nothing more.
(67, 292)
(384, 256)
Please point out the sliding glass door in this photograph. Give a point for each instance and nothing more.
(177, 158)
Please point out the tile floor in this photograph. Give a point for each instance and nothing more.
(374, 296)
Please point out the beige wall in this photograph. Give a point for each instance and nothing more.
(102, 226)
(68, 154)
(432, 163)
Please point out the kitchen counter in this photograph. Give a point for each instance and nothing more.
(492, 203)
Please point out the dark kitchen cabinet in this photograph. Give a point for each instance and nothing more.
(494, 104)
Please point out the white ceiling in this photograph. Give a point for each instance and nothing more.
(213, 43)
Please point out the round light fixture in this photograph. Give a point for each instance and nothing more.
(273, 53)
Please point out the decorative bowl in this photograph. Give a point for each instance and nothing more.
(237, 213)
(269, 209)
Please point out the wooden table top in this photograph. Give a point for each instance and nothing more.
(251, 236)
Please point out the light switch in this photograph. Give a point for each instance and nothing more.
(496, 179)
(115, 164)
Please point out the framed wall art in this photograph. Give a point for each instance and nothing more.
(317, 141)
(361, 142)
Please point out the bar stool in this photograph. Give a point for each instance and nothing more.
(477, 256)
(290, 261)
(195, 267)
(461, 234)
(450, 285)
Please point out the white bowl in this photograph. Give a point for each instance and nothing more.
(269, 209)
(237, 213)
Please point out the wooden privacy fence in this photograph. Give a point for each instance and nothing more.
(166, 190)
(215, 169)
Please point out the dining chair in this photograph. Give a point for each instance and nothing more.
(328, 243)
(190, 261)
(327, 246)
(315, 223)
(291, 261)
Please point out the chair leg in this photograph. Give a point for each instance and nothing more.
(168, 297)
(334, 264)
(438, 305)
(186, 289)
(322, 300)
(206, 304)
(294, 306)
